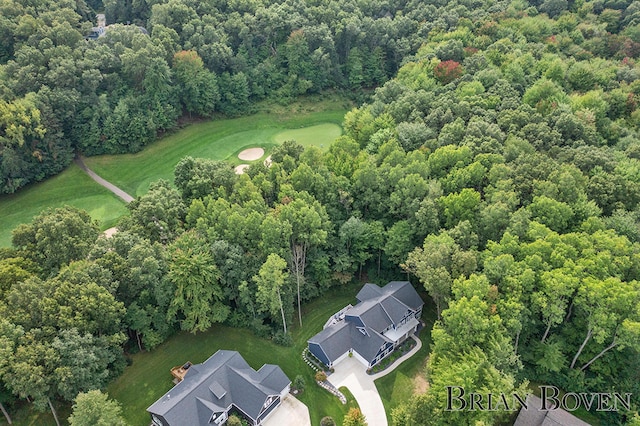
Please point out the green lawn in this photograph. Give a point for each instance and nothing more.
(320, 135)
(71, 187)
(311, 121)
(220, 140)
(148, 377)
(399, 386)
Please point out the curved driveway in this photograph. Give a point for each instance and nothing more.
(352, 374)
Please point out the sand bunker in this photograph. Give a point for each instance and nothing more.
(251, 154)
(109, 232)
(267, 161)
(240, 169)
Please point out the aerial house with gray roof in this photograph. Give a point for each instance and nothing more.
(223, 383)
(382, 319)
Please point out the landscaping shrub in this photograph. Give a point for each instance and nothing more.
(321, 376)
(327, 421)
(354, 418)
(233, 420)
(299, 382)
(282, 339)
(259, 328)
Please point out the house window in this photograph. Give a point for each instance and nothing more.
(268, 402)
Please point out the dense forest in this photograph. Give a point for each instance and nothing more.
(500, 168)
(61, 93)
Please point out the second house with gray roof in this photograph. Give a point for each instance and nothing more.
(382, 319)
(224, 382)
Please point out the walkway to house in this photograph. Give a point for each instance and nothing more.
(291, 412)
(400, 360)
(111, 187)
(352, 374)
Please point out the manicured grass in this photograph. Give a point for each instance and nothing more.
(320, 135)
(148, 377)
(312, 120)
(71, 187)
(220, 140)
(398, 386)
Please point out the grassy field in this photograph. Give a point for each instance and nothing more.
(320, 135)
(71, 187)
(311, 121)
(221, 140)
(148, 377)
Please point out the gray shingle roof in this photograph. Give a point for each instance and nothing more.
(378, 308)
(533, 416)
(372, 314)
(273, 377)
(367, 346)
(249, 395)
(213, 386)
(394, 309)
(334, 340)
(404, 292)
(369, 291)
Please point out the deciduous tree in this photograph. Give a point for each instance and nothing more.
(94, 408)
(197, 300)
(271, 281)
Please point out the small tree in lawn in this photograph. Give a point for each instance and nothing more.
(94, 408)
(299, 383)
(447, 71)
(354, 418)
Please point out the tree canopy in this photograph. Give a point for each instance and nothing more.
(498, 169)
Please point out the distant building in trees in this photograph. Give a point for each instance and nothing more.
(101, 29)
(533, 415)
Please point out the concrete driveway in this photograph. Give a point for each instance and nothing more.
(353, 375)
(291, 412)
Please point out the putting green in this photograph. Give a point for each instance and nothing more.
(216, 139)
(320, 135)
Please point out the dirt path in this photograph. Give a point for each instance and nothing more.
(111, 187)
